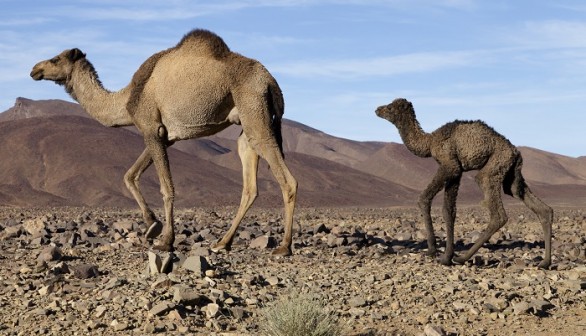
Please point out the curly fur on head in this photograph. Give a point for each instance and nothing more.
(395, 111)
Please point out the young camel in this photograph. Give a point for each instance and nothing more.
(462, 146)
(195, 89)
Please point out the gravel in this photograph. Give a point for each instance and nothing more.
(77, 271)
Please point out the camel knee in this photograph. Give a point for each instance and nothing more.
(498, 222)
(250, 194)
(290, 191)
(130, 180)
(424, 204)
(169, 198)
(546, 217)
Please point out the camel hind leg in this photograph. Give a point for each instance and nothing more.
(288, 186)
(256, 119)
(514, 185)
(249, 159)
(490, 179)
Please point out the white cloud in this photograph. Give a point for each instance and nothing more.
(23, 22)
(550, 34)
(380, 66)
(184, 9)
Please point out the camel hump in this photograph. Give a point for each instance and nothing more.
(205, 42)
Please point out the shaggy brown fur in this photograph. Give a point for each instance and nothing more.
(197, 88)
(462, 146)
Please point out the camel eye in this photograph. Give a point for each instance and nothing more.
(54, 60)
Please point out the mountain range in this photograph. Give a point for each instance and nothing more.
(54, 154)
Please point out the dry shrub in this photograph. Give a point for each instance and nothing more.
(299, 315)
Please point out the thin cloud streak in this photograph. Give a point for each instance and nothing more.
(380, 66)
(184, 10)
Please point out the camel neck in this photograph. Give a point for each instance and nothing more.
(108, 108)
(415, 139)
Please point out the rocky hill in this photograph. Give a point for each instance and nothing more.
(55, 155)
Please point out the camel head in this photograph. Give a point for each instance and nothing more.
(58, 68)
(396, 111)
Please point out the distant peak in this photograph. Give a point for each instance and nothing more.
(25, 108)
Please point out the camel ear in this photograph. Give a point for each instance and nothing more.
(75, 54)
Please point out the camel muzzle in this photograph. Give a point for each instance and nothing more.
(380, 112)
(37, 74)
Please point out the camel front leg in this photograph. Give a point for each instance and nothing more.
(158, 151)
(249, 159)
(132, 180)
(425, 206)
(449, 212)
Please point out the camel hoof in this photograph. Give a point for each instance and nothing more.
(460, 260)
(446, 261)
(218, 247)
(544, 264)
(282, 251)
(154, 230)
(431, 252)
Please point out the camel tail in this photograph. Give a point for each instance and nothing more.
(277, 106)
(514, 182)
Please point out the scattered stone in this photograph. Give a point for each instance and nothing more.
(100, 311)
(174, 315)
(320, 228)
(149, 328)
(356, 312)
(118, 326)
(357, 301)
(154, 263)
(188, 296)
(163, 281)
(273, 280)
(263, 242)
(237, 313)
(34, 226)
(124, 225)
(161, 308)
(50, 253)
(115, 282)
(196, 264)
(212, 310)
(11, 232)
(85, 271)
(522, 307)
(200, 251)
(431, 330)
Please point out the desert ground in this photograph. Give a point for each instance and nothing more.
(82, 271)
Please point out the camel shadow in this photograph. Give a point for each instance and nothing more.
(420, 246)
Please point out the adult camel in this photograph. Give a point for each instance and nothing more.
(195, 89)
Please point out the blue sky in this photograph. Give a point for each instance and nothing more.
(518, 65)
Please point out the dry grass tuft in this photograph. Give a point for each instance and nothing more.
(299, 315)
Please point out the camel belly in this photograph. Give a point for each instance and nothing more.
(193, 125)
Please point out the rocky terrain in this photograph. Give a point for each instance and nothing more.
(85, 271)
